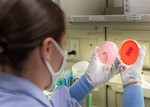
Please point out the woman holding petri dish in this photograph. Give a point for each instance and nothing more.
(32, 58)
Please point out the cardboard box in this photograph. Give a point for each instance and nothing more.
(111, 3)
(83, 7)
(115, 3)
(114, 10)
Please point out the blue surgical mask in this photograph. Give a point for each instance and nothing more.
(57, 75)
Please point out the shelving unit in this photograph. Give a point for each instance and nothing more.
(109, 18)
(93, 13)
(142, 20)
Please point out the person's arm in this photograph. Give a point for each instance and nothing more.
(80, 89)
(133, 96)
(96, 74)
(131, 80)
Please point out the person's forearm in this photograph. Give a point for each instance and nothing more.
(133, 96)
(80, 89)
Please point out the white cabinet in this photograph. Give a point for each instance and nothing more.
(141, 35)
(119, 99)
(147, 102)
(111, 97)
(99, 97)
(114, 98)
(82, 39)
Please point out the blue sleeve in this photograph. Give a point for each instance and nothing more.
(133, 96)
(80, 89)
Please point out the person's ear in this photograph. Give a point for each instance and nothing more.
(46, 48)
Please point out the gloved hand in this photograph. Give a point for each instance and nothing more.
(132, 74)
(98, 73)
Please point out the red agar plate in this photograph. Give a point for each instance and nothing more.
(129, 51)
(107, 52)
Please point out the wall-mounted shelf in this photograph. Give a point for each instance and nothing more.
(94, 13)
(111, 20)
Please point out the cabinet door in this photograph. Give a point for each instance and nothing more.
(99, 97)
(111, 97)
(147, 102)
(83, 40)
(141, 35)
(119, 99)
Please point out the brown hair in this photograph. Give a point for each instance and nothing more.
(24, 24)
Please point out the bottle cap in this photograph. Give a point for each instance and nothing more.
(129, 51)
(107, 52)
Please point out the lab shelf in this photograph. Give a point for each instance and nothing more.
(87, 11)
(110, 20)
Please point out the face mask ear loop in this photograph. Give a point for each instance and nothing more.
(59, 49)
(50, 69)
(56, 75)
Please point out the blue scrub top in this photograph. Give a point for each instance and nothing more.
(19, 92)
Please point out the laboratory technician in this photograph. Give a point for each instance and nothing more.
(32, 58)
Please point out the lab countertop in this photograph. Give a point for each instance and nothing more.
(116, 84)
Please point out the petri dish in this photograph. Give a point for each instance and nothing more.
(107, 52)
(129, 51)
